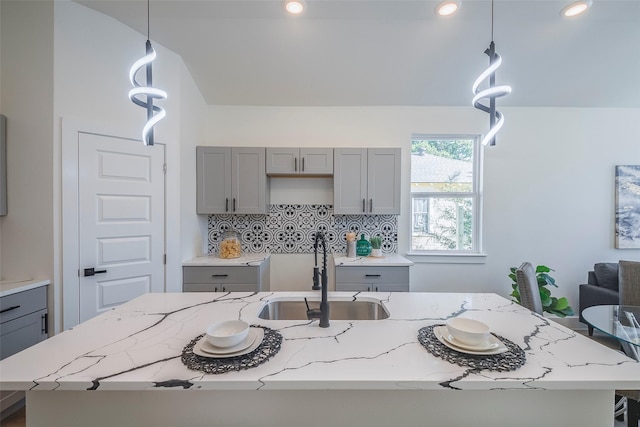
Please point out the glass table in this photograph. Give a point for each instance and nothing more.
(618, 321)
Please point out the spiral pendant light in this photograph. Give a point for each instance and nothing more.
(496, 119)
(143, 95)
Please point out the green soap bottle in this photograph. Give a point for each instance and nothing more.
(363, 247)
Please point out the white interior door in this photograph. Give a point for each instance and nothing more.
(120, 221)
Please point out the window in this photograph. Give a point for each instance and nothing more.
(445, 194)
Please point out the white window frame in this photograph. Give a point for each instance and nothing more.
(475, 254)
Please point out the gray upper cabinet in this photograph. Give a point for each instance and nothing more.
(367, 181)
(299, 161)
(231, 180)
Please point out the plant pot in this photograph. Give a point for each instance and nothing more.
(376, 252)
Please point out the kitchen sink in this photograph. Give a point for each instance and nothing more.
(288, 309)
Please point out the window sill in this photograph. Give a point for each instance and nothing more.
(444, 258)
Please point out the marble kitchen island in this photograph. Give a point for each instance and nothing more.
(124, 368)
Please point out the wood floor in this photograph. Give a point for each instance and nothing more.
(17, 419)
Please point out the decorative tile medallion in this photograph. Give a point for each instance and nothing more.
(289, 229)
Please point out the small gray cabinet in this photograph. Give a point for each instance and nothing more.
(299, 161)
(372, 279)
(23, 320)
(367, 181)
(226, 279)
(231, 180)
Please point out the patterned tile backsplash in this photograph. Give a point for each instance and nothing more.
(289, 229)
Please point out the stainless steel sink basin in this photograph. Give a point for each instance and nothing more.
(287, 309)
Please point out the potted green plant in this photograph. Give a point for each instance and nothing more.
(558, 306)
(376, 243)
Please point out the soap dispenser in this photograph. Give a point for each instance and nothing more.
(363, 247)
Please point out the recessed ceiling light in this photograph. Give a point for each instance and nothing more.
(294, 7)
(447, 8)
(576, 8)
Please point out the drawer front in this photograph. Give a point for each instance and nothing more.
(22, 303)
(220, 275)
(372, 275)
(211, 287)
(21, 333)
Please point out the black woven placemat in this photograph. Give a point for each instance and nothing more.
(266, 350)
(507, 361)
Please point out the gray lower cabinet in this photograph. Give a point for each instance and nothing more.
(23, 320)
(23, 323)
(372, 279)
(226, 279)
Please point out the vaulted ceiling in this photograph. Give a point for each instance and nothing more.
(395, 52)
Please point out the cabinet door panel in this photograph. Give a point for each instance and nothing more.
(350, 180)
(283, 161)
(213, 170)
(249, 183)
(383, 181)
(316, 161)
(22, 333)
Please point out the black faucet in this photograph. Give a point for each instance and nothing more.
(320, 282)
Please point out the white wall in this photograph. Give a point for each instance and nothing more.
(68, 61)
(93, 54)
(27, 97)
(548, 184)
(193, 227)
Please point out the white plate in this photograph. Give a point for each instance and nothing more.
(496, 347)
(205, 349)
(492, 342)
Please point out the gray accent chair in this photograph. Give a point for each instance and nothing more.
(601, 288)
(528, 287)
(629, 280)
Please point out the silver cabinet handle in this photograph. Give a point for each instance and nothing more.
(370, 205)
(363, 205)
(226, 204)
(295, 164)
(234, 204)
(303, 164)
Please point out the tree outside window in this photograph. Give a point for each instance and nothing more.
(444, 193)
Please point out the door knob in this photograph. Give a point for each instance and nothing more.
(92, 272)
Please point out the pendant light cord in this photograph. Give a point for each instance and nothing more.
(491, 20)
(148, 31)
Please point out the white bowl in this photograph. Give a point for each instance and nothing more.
(227, 333)
(468, 331)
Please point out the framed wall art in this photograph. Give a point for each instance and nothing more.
(628, 207)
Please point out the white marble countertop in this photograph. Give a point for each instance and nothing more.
(138, 346)
(9, 287)
(387, 260)
(250, 259)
